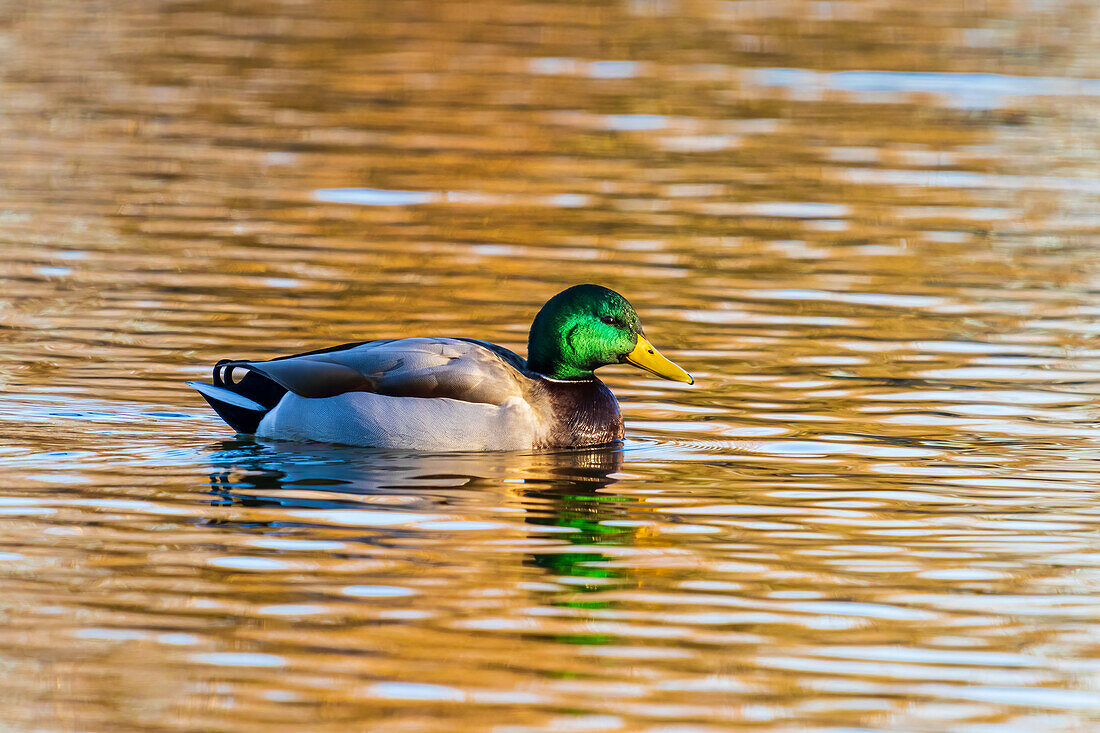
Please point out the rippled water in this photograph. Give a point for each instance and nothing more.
(868, 228)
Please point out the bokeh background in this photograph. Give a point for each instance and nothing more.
(868, 227)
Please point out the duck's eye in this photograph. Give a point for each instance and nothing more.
(610, 320)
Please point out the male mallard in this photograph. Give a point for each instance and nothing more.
(450, 393)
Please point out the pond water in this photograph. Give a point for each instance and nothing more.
(869, 229)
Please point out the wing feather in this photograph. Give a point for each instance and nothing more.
(416, 367)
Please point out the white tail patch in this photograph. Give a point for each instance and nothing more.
(224, 395)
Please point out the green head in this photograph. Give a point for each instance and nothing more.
(587, 327)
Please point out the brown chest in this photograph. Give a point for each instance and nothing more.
(582, 413)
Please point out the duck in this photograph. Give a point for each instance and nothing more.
(450, 394)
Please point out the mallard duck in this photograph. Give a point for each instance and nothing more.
(443, 394)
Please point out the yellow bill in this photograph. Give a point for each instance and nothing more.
(646, 356)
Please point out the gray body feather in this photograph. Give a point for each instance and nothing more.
(426, 394)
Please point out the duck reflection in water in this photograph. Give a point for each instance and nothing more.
(566, 489)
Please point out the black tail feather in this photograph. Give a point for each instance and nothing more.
(253, 385)
(260, 395)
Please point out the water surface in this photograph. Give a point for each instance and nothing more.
(868, 229)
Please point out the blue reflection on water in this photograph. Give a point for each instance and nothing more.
(967, 91)
(374, 196)
(239, 659)
(635, 123)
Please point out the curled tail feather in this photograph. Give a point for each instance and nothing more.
(244, 403)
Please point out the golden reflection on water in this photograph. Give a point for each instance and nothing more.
(868, 229)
